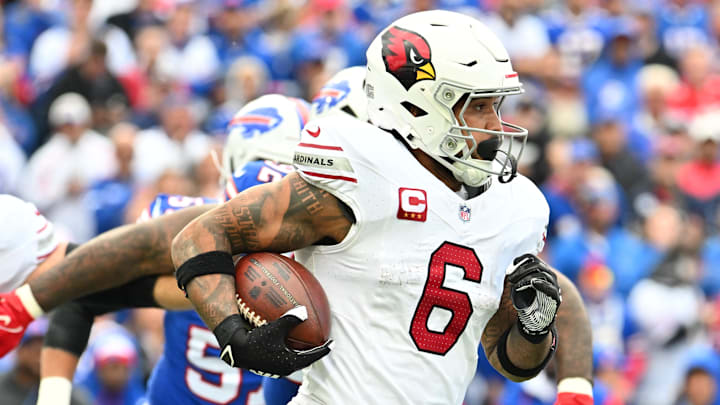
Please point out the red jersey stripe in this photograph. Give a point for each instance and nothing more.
(330, 176)
(312, 145)
(43, 227)
(45, 256)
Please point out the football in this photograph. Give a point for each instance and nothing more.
(269, 284)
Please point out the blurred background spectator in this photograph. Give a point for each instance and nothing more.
(19, 385)
(524, 35)
(700, 378)
(182, 144)
(105, 104)
(59, 172)
(12, 161)
(666, 307)
(699, 179)
(114, 379)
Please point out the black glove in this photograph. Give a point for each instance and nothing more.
(535, 295)
(263, 350)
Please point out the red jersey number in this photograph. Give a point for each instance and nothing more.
(435, 295)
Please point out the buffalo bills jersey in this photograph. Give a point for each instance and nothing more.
(420, 273)
(190, 370)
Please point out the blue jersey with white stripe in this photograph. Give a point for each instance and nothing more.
(190, 371)
(254, 173)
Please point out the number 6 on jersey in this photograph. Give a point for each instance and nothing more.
(435, 295)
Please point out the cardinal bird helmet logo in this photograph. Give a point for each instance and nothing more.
(407, 56)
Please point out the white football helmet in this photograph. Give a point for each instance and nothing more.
(265, 128)
(426, 63)
(342, 93)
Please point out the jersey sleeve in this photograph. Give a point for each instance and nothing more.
(326, 160)
(28, 238)
(531, 229)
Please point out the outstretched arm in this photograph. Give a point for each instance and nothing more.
(69, 330)
(113, 259)
(110, 260)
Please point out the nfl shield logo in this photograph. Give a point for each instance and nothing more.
(464, 213)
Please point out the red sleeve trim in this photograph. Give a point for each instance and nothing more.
(45, 256)
(43, 227)
(312, 145)
(330, 176)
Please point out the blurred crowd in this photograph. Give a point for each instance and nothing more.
(104, 104)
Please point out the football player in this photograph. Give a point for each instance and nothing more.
(326, 208)
(410, 223)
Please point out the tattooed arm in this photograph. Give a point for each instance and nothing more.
(573, 357)
(274, 217)
(113, 259)
(521, 352)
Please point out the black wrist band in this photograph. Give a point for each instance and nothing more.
(227, 328)
(523, 372)
(215, 262)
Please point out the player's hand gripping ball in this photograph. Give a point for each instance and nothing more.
(285, 321)
(269, 285)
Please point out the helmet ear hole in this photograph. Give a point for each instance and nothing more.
(413, 109)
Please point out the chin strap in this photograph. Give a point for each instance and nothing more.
(474, 177)
(507, 177)
(483, 187)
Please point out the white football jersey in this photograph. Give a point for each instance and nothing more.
(415, 281)
(26, 240)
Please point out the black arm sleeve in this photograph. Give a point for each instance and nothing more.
(71, 322)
